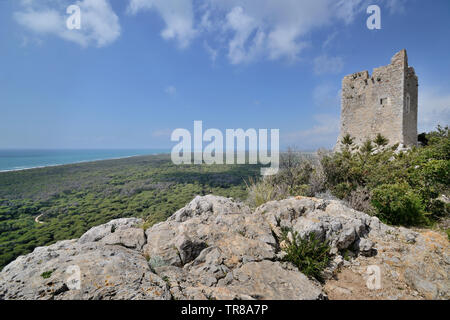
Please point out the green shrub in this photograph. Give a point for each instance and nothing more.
(380, 140)
(347, 140)
(46, 274)
(438, 209)
(310, 255)
(398, 204)
(367, 147)
(343, 190)
(423, 171)
(405, 184)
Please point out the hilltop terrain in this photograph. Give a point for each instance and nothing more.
(216, 248)
(321, 228)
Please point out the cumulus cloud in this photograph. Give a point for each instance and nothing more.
(99, 24)
(329, 40)
(434, 108)
(271, 29)
(324, 64)
(178, 15)
(242, 25)
(396, 6)
(246, 29)
(213, 53)
(347, 9)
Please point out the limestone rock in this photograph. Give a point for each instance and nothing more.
(188, 249)
(327, 220)
(99, 232)
(132, 238)
(216, 222)
(209, 204)
(216, 248)
(269, 280)
(106, 272)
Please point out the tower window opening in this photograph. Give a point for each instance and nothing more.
(408, 104)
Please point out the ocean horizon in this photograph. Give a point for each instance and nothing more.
(24, 159)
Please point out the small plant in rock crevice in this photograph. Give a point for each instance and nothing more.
(47, 274)
(309, 254)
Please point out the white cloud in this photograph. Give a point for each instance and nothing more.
(249, 29)
(213, 53)
(171, 90)
(33, 41)
(178, 16)
(243, 26)
(270, 29)
(99, 24)
(396, 6)
(324, 64)
(434, 108)
(206, 23)
(347, 9)
(329, 40)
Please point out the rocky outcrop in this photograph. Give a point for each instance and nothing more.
(215, 248)
(106, 272)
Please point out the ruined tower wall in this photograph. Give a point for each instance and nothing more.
(411, 108)
(378, 103)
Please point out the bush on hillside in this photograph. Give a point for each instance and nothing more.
(355, 173)
(398, 204)
(424, 170)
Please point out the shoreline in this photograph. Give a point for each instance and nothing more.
(101, 159)
(78, 162)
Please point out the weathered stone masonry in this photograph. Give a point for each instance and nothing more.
(385, 103)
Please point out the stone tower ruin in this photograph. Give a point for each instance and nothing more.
(384, 102)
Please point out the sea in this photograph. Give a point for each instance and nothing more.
(13, 160)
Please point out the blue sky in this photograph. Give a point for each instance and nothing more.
(138, 69)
